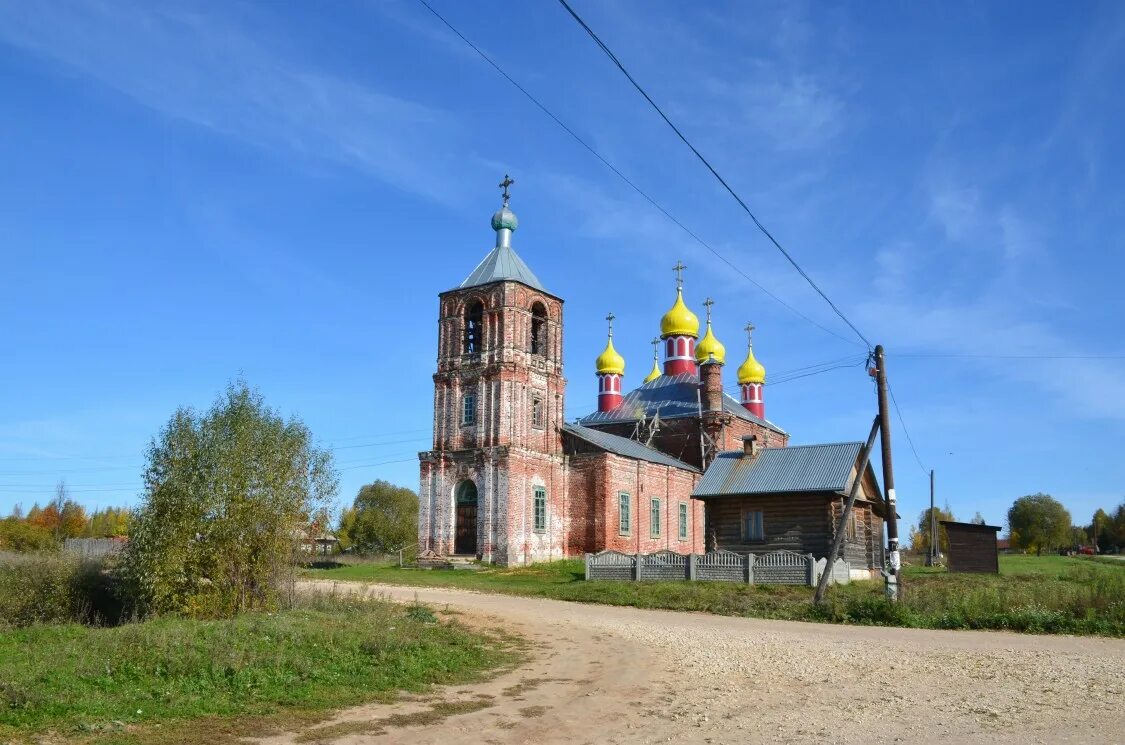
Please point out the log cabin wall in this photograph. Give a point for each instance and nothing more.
(791, 522)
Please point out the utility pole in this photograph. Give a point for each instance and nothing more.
(894, 579)
(933, 524)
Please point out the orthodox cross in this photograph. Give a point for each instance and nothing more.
(655, 345)
(679, 270)
(610, 318)
(749, 328)
(708, 302)
(508, 181)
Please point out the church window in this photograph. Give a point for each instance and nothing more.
(540, 510)
(469, 409)
(474, 327)
(538, 329)
(625, 517)
(654, 521)
(753, 528)
(537, 412)
(683, 521)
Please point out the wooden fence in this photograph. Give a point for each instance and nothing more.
(775, 568)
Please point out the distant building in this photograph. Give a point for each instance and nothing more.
(972, 547)
(509, 481)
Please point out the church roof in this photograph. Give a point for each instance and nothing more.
(624, 446)
(502, 263)
(673, 396)
(798, 468)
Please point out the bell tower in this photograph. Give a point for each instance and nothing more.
(492, 486)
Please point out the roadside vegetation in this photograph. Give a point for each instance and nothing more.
(176, 679)
(1050, 594)
(194, 633)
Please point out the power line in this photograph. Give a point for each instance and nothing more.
(625, 178)
(609, 53)
(905, 431)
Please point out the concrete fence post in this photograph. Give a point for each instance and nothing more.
(749, 569)
(637, 567)
(588, 567)
(811, 560)
(691, 570)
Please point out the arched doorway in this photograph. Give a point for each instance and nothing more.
(465, 521)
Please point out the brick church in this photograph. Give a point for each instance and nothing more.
(510, 481)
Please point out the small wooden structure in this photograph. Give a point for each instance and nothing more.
(972, 547)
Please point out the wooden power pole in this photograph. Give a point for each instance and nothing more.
(933, 525)
(894, 561)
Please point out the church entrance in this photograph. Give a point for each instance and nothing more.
(465, 521)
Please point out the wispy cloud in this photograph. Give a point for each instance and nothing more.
(203, 69)
(795, 110)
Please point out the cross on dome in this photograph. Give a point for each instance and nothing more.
(610, 318)
(749, 329)
(708, 302)
(679, 270)
(508, 181)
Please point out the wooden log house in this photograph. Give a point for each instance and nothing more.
(791, 498)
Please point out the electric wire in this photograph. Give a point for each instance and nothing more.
(623, 177)
(906, 431)
(613, 58)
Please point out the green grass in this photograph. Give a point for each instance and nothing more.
(1050, 594)
(159, 680)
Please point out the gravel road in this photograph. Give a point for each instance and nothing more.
(602, 674)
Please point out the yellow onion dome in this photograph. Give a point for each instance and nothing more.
(751, 371)
(656, 373)
(679, 321)
(609, 361)
(710, 349)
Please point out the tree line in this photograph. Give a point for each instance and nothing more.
(44, 528)
(1037, 523)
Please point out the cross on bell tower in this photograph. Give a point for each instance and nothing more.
(508, 181)
(679, 270)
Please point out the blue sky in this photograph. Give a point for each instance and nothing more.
(193, 192)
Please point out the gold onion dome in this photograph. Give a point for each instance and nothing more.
(710, 349)
(656, 372)
(751, 371)
(610, 362)
(679, 321)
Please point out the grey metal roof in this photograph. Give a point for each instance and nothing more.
(673, 396)
(798, 468)
(502, 263)
(624, 446)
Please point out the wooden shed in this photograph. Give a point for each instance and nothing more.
(972, 547)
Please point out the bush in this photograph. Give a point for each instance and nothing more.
(55, 588)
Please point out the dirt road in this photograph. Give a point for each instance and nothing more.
(603, 674)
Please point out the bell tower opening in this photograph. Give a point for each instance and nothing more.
(474, 327)
(538, 329)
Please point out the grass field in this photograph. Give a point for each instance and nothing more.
(1050, 594)
(173, 680)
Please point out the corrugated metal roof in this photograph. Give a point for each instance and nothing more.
(625, 446)
(673, 396)
(502, 263)
(798, 468)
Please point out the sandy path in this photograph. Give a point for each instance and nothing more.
(602, 674)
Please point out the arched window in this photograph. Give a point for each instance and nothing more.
(474, 327)
(466, 493)
(538, 329)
